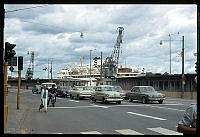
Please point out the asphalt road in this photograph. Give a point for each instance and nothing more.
(71, 116)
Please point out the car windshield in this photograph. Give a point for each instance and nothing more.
(147, 89)
(78, 88)
(117, 88)
(107, 88)
(87, 88)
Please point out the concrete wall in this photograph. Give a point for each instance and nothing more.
(185, 95)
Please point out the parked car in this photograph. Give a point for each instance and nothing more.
(121, 91)
(80, 92)
(36, 89)
(63, 91)
(106, 94)
(49, 85)
(145, 94)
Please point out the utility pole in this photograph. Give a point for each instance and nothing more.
(5, 92)
(183, 76)
(20, 68)
(101, 64)
(18, 91)
(170, 58)
(48, 68)
(90, 67)
(51, 69)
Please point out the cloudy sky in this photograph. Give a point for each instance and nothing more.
(53, 31)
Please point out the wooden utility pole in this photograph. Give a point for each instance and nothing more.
(19, 86)
(5, 93)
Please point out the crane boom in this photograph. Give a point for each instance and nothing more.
(110, 65)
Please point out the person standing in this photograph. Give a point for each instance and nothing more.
(188, 123)
(44, 97)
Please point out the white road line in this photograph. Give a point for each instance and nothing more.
(164, 131)
(166, 108)
(100, 106)
(128, 132)
(90, 132)
(74, 100)
(146, 116)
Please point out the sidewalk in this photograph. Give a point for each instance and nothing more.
(17, 117)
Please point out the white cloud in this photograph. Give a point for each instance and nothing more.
(55, 33)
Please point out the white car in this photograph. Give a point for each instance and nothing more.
(49, 85)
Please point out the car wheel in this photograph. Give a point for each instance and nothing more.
(104, 101)
(160, 101)
(77, 97)
(119, 102)
(130, 99)
(144, 100)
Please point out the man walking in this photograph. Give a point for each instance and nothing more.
(44, 96)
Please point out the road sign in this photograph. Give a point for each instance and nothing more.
(11, 68)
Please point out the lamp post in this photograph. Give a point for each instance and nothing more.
(170, 41)
(183, 78)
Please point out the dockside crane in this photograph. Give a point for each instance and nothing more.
(110, 64)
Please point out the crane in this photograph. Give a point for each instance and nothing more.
(29, 72)
(110, 65)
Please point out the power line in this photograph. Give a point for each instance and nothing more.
(24, 8)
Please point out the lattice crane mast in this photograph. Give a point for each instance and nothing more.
(110, 65)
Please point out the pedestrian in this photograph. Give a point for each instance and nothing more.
(44, 96)
(188, 123)
(51, 91)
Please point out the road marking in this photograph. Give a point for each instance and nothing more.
(146, 116)
(128, 132)
(74, 100)
(165, 131)
(100, 106)
(90, 132)
(166, 108)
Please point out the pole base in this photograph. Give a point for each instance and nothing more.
(18, 101)
(5, 115)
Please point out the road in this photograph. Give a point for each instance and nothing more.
(86, 117)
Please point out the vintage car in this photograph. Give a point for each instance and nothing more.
(121, 91)
(106, 94)
(144, 94)
(80, 92)
(63, 91)
(36, 89)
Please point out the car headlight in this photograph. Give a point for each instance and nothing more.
(107, 95)
(150, 96)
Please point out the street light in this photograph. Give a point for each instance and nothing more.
(170, 39)
(183, 78)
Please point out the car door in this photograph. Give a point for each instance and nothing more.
(131, 94)
(97, 93)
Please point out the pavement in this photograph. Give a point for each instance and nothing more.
(17, 117)
(27, 119)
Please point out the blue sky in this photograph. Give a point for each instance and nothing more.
(53, 31)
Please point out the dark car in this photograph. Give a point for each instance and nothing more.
(144, 94)
(36, 89)
(62, 91)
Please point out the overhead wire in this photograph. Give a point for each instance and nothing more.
(8, 11)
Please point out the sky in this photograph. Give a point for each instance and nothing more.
(53, 32)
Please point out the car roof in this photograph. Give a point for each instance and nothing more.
(142, 86)
(105, 86)
(48, 83)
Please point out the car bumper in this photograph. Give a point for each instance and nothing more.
(85, 96)
(112, 99)
(155, 99)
